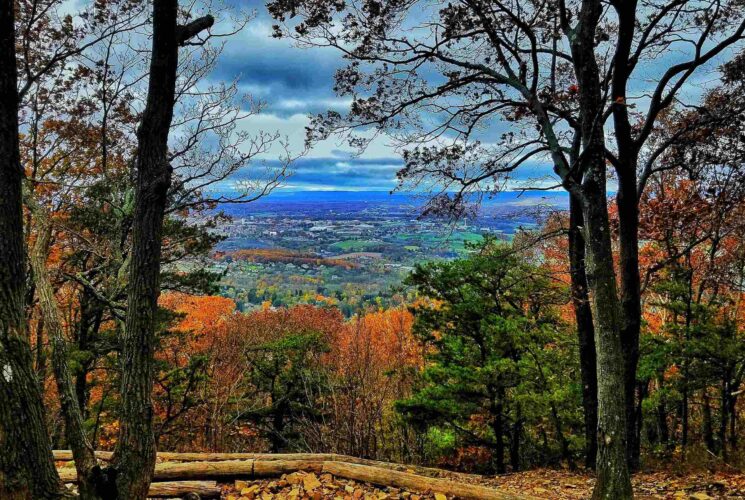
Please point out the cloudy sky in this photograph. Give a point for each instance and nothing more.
(292, 83)
(295, 82)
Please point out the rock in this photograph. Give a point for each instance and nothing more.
(311, 482)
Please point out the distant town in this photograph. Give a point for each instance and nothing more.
(352, 250)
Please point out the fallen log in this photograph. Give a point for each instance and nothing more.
(188, 470)
(204, 470)
(272, 468)
(173, 489)
(369, 471)
(176, 489)
(388, 477)
(166, 456)
(66, 455)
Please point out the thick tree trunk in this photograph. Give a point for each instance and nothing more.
(135, 452)
(613, 480)
(26, 464)
(585, 330)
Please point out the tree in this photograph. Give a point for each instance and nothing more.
(281, 354)
(439, 77)
(134, 457)
(26, 467)
(487, 318)
(374, 361)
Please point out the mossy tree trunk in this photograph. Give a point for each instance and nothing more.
(26, 463)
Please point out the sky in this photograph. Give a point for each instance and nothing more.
(294, 82)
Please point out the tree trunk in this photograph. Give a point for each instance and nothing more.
(517, 430)
(733, 422)
(613, 480)
(627, 201)
(662, 430)
(628, 239)
(498, 429)
(26, 464)
(92, 484)
(87, 329)
(585, 330)
(135, 452)
(642, 391)
(723, 418)
(708, 429)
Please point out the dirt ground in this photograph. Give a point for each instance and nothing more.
(544, 483)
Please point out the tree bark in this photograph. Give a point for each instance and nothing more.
(585, 330)
(498, 429)
(628, 216)
(627, 201)
(135, 452)
(92, 484)
(613, 480)
(26, 465)
(708, 429)
(515, 436)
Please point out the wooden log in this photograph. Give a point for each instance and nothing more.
(370, 471)
(234, 468)
(165, 489)
(184, 471)
(271, 468)
(417, 469)
(66, 455)
(175, 489)
(204, 470)
(165, 456)
(388, 477)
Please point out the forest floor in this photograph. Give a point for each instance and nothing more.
(541, 483)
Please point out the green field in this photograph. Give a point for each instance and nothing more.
(353, 245)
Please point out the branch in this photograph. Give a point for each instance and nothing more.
(186, 32)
